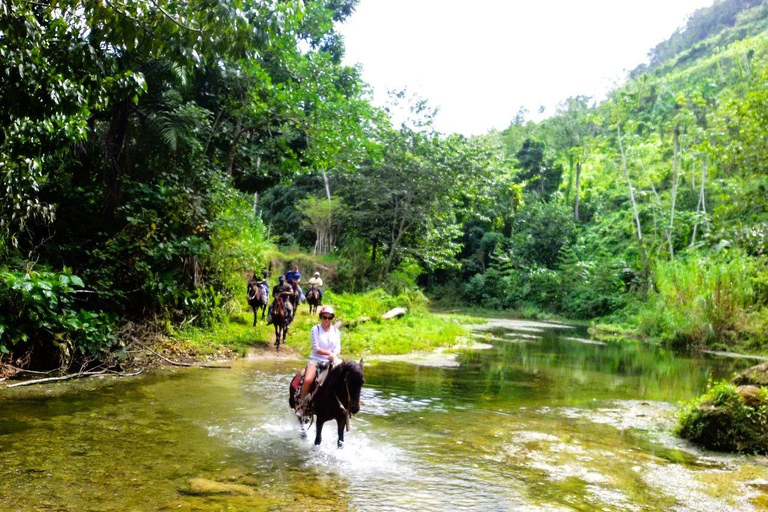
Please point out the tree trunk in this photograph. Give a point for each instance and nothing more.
(233, 149)
(374, 249)
(326, 245)
(675, 183)
(700, 206)
(638, 231)
(576, 196)
(118, 127)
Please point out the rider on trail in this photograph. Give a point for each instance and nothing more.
(285, 291)
(326, 345)
(318, 284)
(294, 276)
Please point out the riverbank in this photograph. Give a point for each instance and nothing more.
(364, 333)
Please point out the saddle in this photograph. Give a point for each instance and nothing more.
(298, 382)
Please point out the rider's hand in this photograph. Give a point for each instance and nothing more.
(331, 357)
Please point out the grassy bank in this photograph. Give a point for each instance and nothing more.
(363, 330)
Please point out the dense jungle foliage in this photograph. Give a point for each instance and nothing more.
(154, 153)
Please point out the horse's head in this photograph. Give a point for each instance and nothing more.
(355, 380)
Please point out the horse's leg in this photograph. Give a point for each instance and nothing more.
(255, 315)
(277, 335)
(319, 430)
(341, 423)
(303, 431)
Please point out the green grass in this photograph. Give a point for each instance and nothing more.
(363, 330)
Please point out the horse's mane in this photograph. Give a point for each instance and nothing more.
(279, 305)
(352, 371)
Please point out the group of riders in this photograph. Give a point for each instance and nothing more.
(288, 290)
(325, 337)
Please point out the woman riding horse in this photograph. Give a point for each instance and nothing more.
(337, 398)
(326, 345)
(338, 395)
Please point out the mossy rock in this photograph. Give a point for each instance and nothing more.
(728, 418)
(206, 487)
(754, 376)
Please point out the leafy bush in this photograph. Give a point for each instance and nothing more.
(239, 242)
(700, 300)
(720, 419)
(403, 278)
(38, 309)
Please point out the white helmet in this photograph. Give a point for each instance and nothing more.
(326, 310)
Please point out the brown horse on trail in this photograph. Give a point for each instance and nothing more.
(313, 299)
(258, 299)
(338, 397)
(295, 298)
(281, 318)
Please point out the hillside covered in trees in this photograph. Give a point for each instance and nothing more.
(153, 152)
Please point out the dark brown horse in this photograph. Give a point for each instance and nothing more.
(281, 319)
(313, 299)
(338, 397)
(257, 299)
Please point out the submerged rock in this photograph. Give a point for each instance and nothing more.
(203, 486)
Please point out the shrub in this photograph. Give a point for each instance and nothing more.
(700, 300)
(720, 419)
(38, 309)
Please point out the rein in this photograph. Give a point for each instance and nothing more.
(349, 399)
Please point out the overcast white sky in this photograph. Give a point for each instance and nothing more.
(480, 61)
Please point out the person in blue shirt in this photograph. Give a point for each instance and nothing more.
(294, 276)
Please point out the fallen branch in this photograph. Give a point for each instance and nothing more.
(49, 379)
(69, 377)
(16, 369)
(178, 363)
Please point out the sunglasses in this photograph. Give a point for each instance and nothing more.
(326, 317)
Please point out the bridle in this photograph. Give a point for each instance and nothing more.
(345, 410)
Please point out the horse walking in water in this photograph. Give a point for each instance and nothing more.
(338, 397)
(257, 299)
(313, 299)
(281, 319)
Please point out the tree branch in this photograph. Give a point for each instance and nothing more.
(174, 20)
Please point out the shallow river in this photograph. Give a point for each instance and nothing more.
(538, 421)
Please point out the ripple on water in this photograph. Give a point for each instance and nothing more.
(381, 403)
(682, 483)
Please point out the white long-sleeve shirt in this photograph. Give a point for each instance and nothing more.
(329, 340)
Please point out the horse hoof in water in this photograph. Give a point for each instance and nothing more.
(340, 445)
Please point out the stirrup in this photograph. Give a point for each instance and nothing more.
(302, 407)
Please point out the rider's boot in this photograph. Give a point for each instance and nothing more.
(301, 406)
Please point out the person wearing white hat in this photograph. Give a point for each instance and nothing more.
(318, 284)
(326, 346)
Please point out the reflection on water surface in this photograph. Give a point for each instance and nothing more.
(543, 421)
